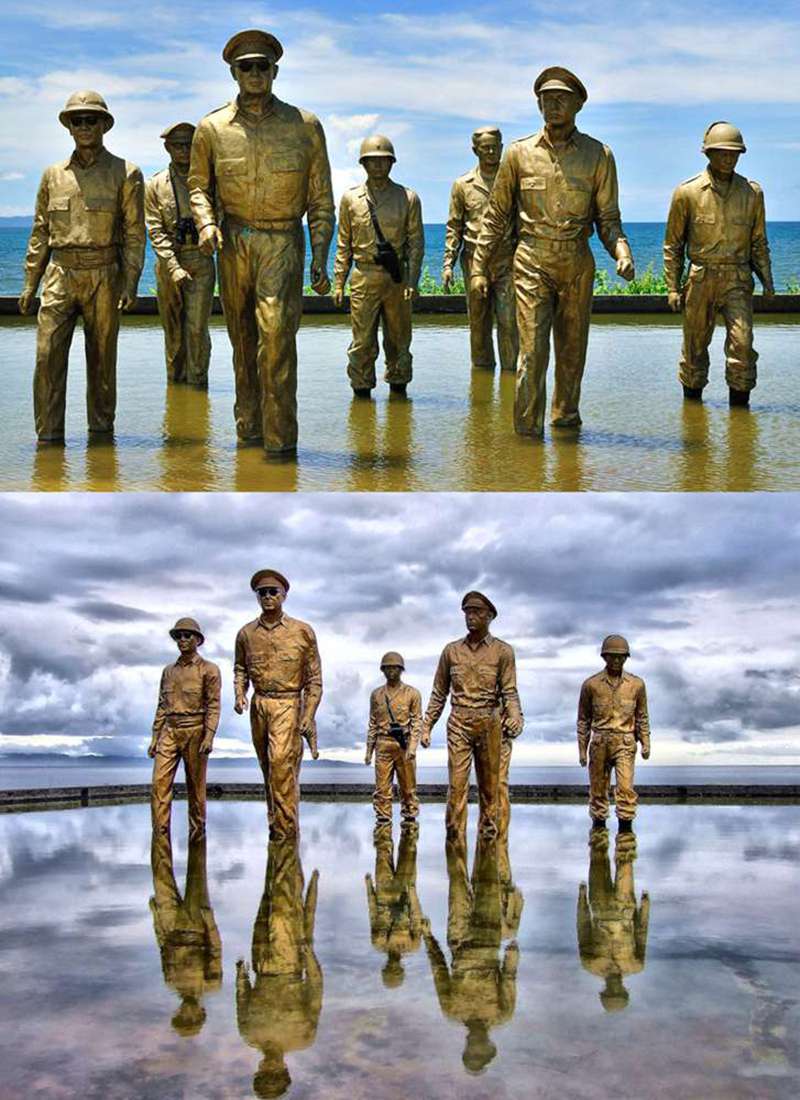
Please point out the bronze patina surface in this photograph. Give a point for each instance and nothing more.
(717, 220)
(380, 237)
(555, 188)
(612, 926)
(395, 914)
(278, 656)
(612, 719)
(87, 241)
(186, 720)
(479, 987)
(478, 672)
(395, 721)
(468, 200)
(186, 932)
(185, 276)
(257, 166)
(278, 1008)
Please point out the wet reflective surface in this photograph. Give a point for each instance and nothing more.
(404, 967)
(454, 432)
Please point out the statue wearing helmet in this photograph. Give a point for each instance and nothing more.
(186, 720)
(395, 914)
(612, 718)
(87, 241)
(395, 720)
(381, 237)
(717, 219)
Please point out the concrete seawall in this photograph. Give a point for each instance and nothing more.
(457, 303)
(711, 793)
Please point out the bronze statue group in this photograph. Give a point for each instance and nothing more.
(240, 183)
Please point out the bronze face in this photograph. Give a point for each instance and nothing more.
(255, 77)
(723, 162)
(559, 109)
(180, 151)
(270, 598)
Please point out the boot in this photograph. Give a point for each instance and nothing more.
(625, 826)
(740, 398)
(398, 388)
(362, 392)
(598, 823)
(693, 393)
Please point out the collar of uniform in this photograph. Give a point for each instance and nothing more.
(612, 681)
(254, 120)
(708, 181)
(73, 162)
(475, 177)
(541, 138)
(271, 626)
(193, 660)
(378, 195)
(487, 639)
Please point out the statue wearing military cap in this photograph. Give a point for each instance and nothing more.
(186, 720)
(278, 657)
(185, 276)
(469, 196)
(87, 241)
(478, 672)
(555, 187)
(717, 220)
(257, 166)
(395, 719)
(612, 718)
(380, 237)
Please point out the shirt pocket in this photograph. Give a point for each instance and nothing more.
(533, 194)
(577, 199)
(232, 178)
(704, 228)
(101, 214)
(58, 210)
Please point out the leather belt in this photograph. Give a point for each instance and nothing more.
(85, 257)
(272, 226)
(277, 694)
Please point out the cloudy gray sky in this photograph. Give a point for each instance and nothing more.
(705, 587)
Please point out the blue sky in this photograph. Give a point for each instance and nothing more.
(426, 74)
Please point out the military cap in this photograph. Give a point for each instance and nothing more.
(614, 643)
(555, 78)
(250, 44)
(392, 658)
(483, 599)
(81, 103)
(175, 127)
(187, 624)
(481, 130)
(264, 576)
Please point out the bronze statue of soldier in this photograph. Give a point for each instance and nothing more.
(468, 199)
(277, 1010)
(478, 672)
(557, 186)
(279, 657)
(380, 234)
(87, 241)
(259, 165)
(184, 726)
(186, 932)
(185, 276)
(395, 914)
(395, 720)
(612, 926)
(612, 720)
(717, 218)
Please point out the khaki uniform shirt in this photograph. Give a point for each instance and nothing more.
(93, 207)
(161, 215)
(189, 695)
(611, 706)
(559, 194)
(479, 678)
(399, 214)
(716, 226)
(406, 704)
(266, 172)
(468, 200)
(276, 658)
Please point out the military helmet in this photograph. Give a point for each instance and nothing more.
(723, 135)
(615, 643)
(81, 103)
(392, 658)
(187, 624)
(376, 146)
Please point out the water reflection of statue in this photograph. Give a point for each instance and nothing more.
(395, 916)
(612, 928)
(279, 1009)
(187, 935)
(478, 989)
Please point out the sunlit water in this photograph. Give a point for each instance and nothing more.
(454, 432)
(701, 1000)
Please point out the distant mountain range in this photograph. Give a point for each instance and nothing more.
(64, 758)
(19, 221)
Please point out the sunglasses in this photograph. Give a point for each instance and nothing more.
(183, 635)
(270, 591)
(246, 66)
(85, 120)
